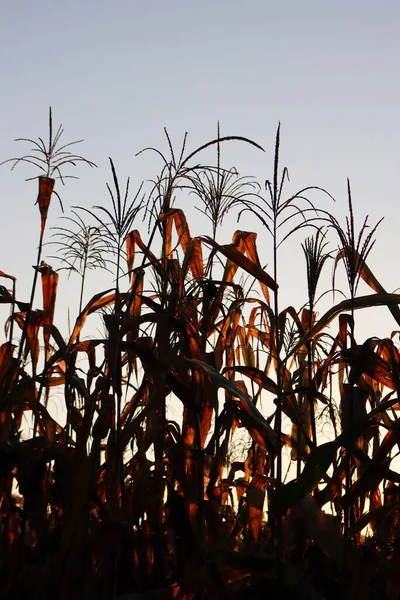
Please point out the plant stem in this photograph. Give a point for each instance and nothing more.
(14, 291)
(83, 280)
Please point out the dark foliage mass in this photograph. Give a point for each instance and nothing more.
(134, 491)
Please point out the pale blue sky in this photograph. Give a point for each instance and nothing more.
(117, 73)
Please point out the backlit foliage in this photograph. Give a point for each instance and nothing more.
(135, 491)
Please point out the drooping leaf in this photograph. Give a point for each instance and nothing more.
(240, 260)
(49, 289)
(370, 301)
(254, 415)
(177, 217)
(98, 301)
(256, 375)
(194, 259)
(46, 186)
(2, 274)
(316, 467)
(255, 501)
(134, 239)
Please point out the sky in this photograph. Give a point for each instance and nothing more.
(117, 73)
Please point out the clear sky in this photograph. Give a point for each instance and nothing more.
(117, 72)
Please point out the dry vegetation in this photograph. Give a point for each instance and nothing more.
(124, 502)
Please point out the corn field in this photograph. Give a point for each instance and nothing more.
(166, 476)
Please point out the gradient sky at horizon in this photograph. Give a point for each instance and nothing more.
(116, 74)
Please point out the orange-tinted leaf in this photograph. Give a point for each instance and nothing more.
(46, 186)
(245, 242)
(237, 259)
(370, 301)
(96, 303)
(194, 259)
(363, 360)
(254, 417)
(299, 443)
(2, 274)
(49, 289)
(134, 239)
(176, 216)
(369, 480)
(255, 500)
(306, 319)
(130, 251)
(32, 333)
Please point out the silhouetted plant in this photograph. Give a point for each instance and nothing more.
(275, 213)
(354, 248)
(50, 158)
(353, 251)
(316, 257)
(120, 218)
(313, 248)
(81, 248)
(130, 498)
(221, 190)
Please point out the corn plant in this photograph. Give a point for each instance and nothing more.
(315, 255)
(135, 487)
(50, 160)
